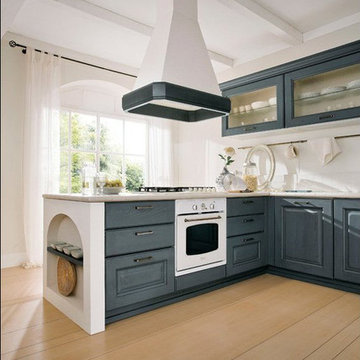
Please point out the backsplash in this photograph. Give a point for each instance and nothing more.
(199, 164)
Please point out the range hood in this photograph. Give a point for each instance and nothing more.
(176, 80)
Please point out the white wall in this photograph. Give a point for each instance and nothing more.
(199, 143)
(12, 115)
(12, 119)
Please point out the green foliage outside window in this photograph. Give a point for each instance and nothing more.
(82, 148)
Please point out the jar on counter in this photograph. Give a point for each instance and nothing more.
(250, 175)
(88, 174)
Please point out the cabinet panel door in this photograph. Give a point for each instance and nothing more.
(347, 240)
(133, 278)
(251, 110)
(245, 253)
(323, 92)
(304, 236)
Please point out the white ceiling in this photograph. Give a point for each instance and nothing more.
(102, 28)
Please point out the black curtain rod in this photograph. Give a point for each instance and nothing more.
(13, 44)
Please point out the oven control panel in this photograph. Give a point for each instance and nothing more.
(191, 206)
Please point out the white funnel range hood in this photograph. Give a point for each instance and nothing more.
(176, 80)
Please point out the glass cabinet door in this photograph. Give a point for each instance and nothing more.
(324, 92)
(255, 107)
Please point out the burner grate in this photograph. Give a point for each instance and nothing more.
(175, 189)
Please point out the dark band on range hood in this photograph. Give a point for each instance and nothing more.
(139, 102)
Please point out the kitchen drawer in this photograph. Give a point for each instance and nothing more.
(142, 238)
(245, 206)
(127, 214)
(133, 278)
(240, 225)
(245, 253)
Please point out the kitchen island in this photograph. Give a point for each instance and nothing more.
(112, 254)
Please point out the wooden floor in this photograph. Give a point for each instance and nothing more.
(267, 317)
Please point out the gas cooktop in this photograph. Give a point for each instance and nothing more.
(176, 189)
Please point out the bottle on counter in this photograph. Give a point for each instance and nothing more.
(88, 174)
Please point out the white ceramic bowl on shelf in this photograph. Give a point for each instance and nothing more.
(272, 100)
(309, 94)
(259, 104)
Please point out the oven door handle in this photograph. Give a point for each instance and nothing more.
(204, 219)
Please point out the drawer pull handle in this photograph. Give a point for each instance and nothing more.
(248, 201)
(203, 219)
(142, 233)
(330, 116)
(148, 258)
(143, 207)
(302, 203)
(248, 220)
(248, 239)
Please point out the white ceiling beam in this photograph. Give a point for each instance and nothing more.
(130, 24)
(9, 10)
(332, 27)
(108, 15)
(270, 21)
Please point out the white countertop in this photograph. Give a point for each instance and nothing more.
(195, 195)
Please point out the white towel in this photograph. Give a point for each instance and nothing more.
(325, 149)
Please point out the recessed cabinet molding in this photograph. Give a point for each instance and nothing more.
(316, 89)
(347, 240)
(304, 236)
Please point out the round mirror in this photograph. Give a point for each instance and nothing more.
(264, 159)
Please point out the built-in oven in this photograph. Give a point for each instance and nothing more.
(200, 241)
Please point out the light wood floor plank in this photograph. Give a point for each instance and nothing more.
(133, 329)
(220, 325)
(304, 337)
(20, 285)
(28, 314)
(338, 343)
(225, 333)
(352, 352)
(39, 333)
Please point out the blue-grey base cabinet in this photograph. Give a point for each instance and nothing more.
(137, 277)
(347, 240)
(246, 235)
(304, 235)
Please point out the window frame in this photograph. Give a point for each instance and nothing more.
(97, 152)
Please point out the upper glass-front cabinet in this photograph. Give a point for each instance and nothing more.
(255, 107)
(323, 92)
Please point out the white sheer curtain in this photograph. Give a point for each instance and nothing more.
(161, 153)
(41, 146)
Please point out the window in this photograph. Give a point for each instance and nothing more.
(117, 146)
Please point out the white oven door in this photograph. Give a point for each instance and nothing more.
(200, 242)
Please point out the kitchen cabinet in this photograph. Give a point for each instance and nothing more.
(319, 88)
(246, 235)
(347, 240)
(139, 253)
(130, 279)
(304, 235)
(245, 253)
(325, 92)
(255, 107)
